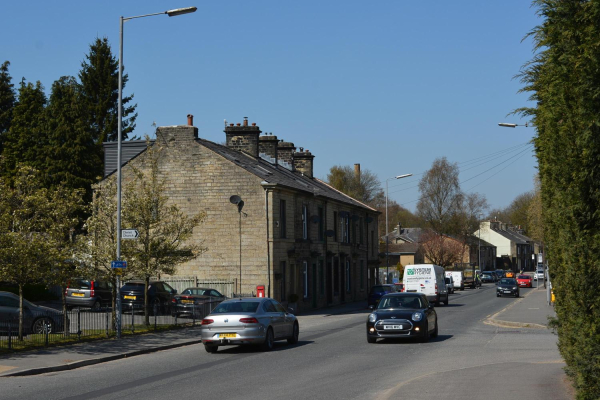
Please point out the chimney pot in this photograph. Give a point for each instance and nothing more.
(190, 119)
(254, 124)
(245, 121)
(238, 124)
(230, 124)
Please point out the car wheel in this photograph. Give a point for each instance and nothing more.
(371, 339)
(462, 288)
(269, 342)
(39, 325)
(447, 301)
(425, 337)
(497, 295)
(435, 331)
(517, 294)
(211, 348)
(295, 334)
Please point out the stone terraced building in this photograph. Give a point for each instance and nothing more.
(305, 241)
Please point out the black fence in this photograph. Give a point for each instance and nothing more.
(48, 328)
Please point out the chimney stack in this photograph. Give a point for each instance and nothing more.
(267, 145)
(285, 151)
(303, 162)
(190, 120)
(357, 172)
(243, 138)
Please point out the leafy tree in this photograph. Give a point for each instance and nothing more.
(71, 155)
(163, 228)
(563, 81)
(7, 100)
(516, 212)
(99, 78)
(27, 136)
(26, 250)
(364, 187)
(398, 215)
(440, 195)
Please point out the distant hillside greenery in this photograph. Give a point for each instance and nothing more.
(563, 80)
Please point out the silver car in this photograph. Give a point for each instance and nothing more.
(255, 320)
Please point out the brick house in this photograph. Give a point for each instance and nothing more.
(299, 236)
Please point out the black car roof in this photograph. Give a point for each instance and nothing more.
(404, 294)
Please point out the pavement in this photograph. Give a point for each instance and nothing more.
(530, 311)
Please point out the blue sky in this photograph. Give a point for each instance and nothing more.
(391, 85)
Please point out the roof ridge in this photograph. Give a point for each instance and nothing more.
(344, 194)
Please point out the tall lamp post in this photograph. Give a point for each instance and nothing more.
(387, 228)
(170, 13)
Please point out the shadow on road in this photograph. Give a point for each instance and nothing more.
(279, 346)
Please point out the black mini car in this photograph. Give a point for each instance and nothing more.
(507, 286)
(402, 315)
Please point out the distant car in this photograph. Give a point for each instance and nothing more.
(399, 287)
(509, 274)
(524, 281)
(402, 315)
(500, 273)
(195, 301)
(450, 284)
(35, 318)
(377, 291)
(487, 277)
(495, 275)
(507, 286)
(88, 293)
(160, 295)
(539, 274)
(255, 321)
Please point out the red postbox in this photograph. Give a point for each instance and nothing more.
(260, 291)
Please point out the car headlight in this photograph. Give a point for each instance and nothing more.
(515, 288)
(372, 317)
(417, 316)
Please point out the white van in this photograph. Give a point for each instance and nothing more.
(428, 279)
(457, 276)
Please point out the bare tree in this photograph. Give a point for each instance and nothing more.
(441, 250)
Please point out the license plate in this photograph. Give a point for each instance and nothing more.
(77, 294)
(187, 301)
(507, 291)
(392, 327)
(227, 335)
(129, 297)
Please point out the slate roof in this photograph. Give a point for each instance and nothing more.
(512, 235)
(410, 235)
(277, 174)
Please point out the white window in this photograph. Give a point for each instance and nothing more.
(305, 279)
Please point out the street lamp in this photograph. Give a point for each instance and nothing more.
(170, 13)
(508, 125)
(387, 229)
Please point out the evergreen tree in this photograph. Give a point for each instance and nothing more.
(7, 100)
(563, 80)
(72, 158)
(25, 140)
(99, 78)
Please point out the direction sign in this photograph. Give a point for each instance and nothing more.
(118, 264)
(129, 234)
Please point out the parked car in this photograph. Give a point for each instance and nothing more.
(524, 281)
(255, 320)
(195, 301)
(487, 277)
(160, 296)
(88, 293)
(402, 315)
(377, 291)
(449, 283)
(35, 318)
(507, 286)
(399, 286)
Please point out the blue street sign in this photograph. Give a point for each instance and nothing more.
(118, 264)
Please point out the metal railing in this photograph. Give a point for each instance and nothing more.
(48, 328)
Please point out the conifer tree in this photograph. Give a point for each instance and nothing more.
(99, 77)
(27, 136)
(7, 100)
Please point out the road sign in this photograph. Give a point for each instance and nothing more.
(118, 264)
(129, 234)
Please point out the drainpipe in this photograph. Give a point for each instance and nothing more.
(266, 185)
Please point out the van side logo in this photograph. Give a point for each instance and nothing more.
(410, 272)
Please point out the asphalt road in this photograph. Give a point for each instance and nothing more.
(333, 360)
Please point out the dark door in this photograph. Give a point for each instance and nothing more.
(328, 287)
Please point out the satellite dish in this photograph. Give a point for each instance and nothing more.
(235, 199)
(329, 233)
(315, 219)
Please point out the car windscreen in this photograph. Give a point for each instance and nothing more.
(412, 302)
(236, 306)
(80, 284)
(523, 277)
(486, 273)
(133, 286)
(506, 281)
